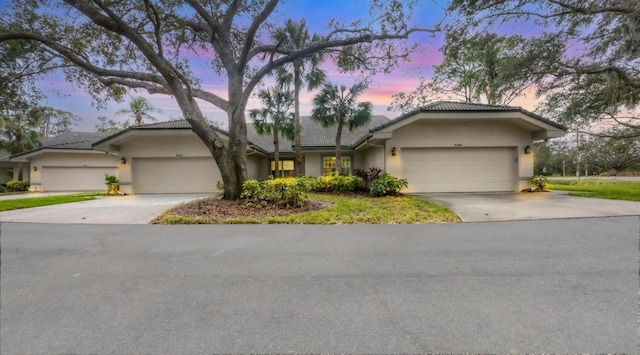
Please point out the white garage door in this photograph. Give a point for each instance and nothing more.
(75, 178)
(175, 175)
(460, 169)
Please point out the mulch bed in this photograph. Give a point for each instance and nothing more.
(222, 209)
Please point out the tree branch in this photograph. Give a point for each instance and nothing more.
(77, 60)
(626, 79)
(592, 10)
(251, 32)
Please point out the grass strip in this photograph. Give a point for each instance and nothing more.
(607, 189)
(30, 202)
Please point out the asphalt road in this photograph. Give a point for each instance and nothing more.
(554, 286)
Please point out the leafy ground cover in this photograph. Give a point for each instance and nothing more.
(598, 188)
(29, 202)
(320, 209)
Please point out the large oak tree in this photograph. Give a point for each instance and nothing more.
(108, 47)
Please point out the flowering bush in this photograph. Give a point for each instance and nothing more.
(283, 192)
(337, 183)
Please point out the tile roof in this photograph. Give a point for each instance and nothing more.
(454, 106)
(70, 140)
(313, 134)
(74, 140)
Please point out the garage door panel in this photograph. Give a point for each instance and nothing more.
(175, 175)
(75, 178)
(459, 169)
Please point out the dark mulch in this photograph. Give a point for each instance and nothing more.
(222, 209)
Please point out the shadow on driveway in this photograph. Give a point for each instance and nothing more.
(480, 207)
(130, 209)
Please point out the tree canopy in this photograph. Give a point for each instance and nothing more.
(477, 67)
(595, 76)
(108, 48)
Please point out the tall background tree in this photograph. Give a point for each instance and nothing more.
(275, 117)
(336, 106)
(302, 72)
(480, 68)
(19, 133)
(111, 47)
(141, 109)
(596, 43)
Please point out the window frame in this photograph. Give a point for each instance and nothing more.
(344, 156)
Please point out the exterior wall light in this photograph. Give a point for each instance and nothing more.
(123, 160)
(35, 168)
(394, 151)
(527, 150)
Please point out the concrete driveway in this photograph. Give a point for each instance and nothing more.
(478, 207)
(130, 209)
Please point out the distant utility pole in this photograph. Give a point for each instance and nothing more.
(579, 154)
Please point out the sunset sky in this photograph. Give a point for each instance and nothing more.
(317, 14)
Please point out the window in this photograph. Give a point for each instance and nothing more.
(286, 168)
(329, 165)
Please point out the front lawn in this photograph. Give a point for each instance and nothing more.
(340, 210)
(599, 188)
(8, 205)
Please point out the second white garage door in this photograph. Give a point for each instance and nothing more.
(72, 178)
(175, 175)
(460, 169)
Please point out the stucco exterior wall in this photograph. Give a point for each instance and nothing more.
(26, 172)
(157, 146)
(5, 175)
(257, 167)
(371, 157)
(312, 164)
(461, 133)
(67, 159)
(185, 145)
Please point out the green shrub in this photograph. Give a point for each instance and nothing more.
(17, 185)
(539, 181)
(2, 189)
(113, 184)
(337, 183)
(386, 184)
(283, 192)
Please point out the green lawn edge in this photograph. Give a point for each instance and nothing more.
(594, 188)
(31, 202)
(344, 210)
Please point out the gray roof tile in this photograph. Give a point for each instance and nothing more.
(454, 106)
(313, 134)
(69, 140)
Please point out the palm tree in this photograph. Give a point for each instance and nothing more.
(302, 71)
(274, 118)
(139, 107)
(19, 134)
(337, 106)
